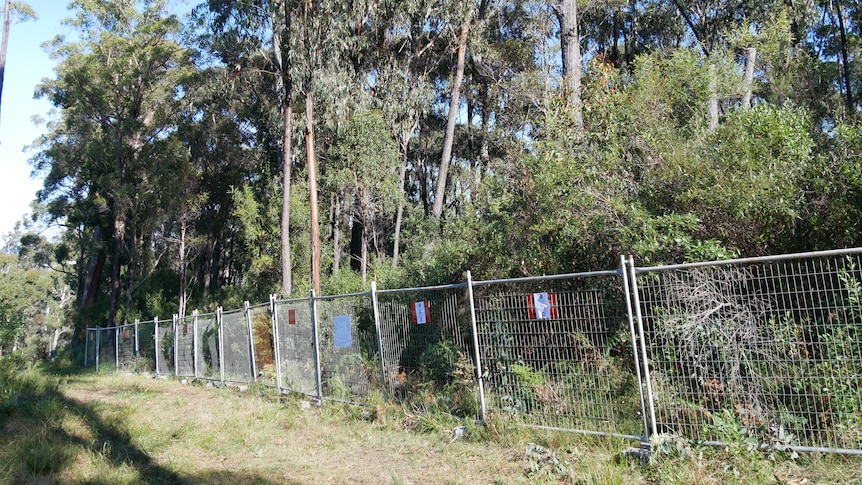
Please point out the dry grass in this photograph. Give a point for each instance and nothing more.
(132, 429)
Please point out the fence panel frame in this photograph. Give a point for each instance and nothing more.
(807, 257)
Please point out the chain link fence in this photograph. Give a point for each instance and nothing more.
(769, 348)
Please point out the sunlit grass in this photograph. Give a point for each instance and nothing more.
(118, 428)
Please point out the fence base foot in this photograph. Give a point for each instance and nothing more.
(639, 455)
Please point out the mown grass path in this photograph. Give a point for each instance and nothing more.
(107, 429)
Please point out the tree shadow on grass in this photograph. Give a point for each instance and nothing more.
(43, 432)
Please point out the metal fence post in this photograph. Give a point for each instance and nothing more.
(316, 337)
(137, 348)
(86, 345)
(478, 354)
(635, 352)
(276, 346)
(195, 343)
(251, 342)
(98, 350)
(116, 347)
(383, 381)
(639, 316)
(176, 319)
(220, 322)
(156, 343)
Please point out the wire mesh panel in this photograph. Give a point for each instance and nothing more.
(296, 346)
(126, 347)
(185, 350)
(207, 355)
(426, 339)
(236, 347)
(91, 348)
(107, 344)
(146, 346)
(350, 365)
(558, 352)
(164, 351)
(263, 343)
(771, 347)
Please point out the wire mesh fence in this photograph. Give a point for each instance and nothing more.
(164, 347)
(184, 337)
(554, 351)
(347, 347)
(263, 342)
(767, 347)
(296, 367)
(207, 358)
(427, 347)
(236, 347)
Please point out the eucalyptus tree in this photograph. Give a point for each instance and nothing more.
(116, 89)
(258, 40)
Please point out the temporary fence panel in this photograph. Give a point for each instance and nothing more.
(296, 347)
(348, 347)
(106, 341)
(426, 341)
(185, 352)
(557, 351)
(165, 342)
(126, 347)
(236, 347)
(771, 347)
(91, 349)
(207, 354)
(263, 343)
(146, 346)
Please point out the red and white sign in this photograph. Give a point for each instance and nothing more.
(542, 306)
(420, 312)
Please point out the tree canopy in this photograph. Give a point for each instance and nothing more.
(247, 148)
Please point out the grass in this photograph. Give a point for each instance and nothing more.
(64, 426)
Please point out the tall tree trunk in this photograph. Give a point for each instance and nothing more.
(748, 78)
(94, 272)
(712, 102)
(454, 103)
(119, 237)
(567, 15)
(845, 62)
(336, 233)
(184, 297)
(7, 10)
(399, 215)
(312, 185)
(286, 91)
(365, 204)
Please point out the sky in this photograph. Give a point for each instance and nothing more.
(26, 65)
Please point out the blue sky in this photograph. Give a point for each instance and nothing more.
(26, 65)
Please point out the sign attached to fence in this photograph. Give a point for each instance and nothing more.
(342, 331)
(126, 333)
(420, 312)
(542, 306)
(291, 317)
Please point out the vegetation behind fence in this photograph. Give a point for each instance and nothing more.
(768, 348)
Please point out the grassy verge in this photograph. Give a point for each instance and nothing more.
(68, 427)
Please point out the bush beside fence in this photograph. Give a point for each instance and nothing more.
(770, 348)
